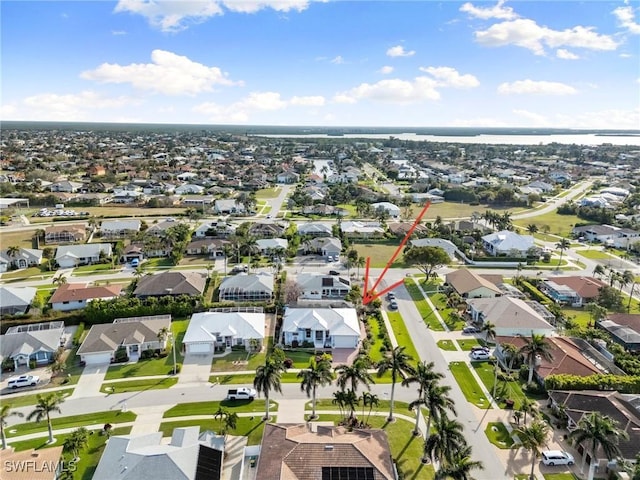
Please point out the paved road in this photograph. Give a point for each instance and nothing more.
(554, 203)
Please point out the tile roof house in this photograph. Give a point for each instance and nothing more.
(511, 316)
(26, 257)
(618, 237)
(507, 243)
(73, 255)
(295, 452)
(325, 246)
(315, 229)
(224, 329)
(119, 228)
(469, 284)
(32, 464)
(171, 283)
(65, 233)
(36, 341)
(323, 327)
(446, 245)
(212, 247)
(73, 296)
(574, 291)
(228, 207)
(362, 229)
(622, 409)
(266, 245)
(135, 334)
(266, 230)
(624, 329)
(16, 300)
(247, 288)
(188, 456)
(392, 209)
(316, 286)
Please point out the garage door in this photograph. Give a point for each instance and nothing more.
(97, 358)
(344, 341)
(199, 348)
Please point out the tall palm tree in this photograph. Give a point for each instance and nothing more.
(438, 401)
(338, 399)
(354, 374)
(396, 362)
(424, 375)
(369, 400)
(625, 279)
(13, 251)
(535, 346)
(45, 405)
(532, 228)
(5, 413)
(489, 330)
(510, 353)
(268, 378)
(598, 271)
(529, 407)
(446, 438)
(562, 245)
(460, 466)
(59, 280)
(360, 263)
(533, 438)
(598, 433)
(318, 374)
(77, 441)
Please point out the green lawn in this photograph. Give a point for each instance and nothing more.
(154, 366)
(157, 262)
(374, 351)
(138, 385)
(383, 406)
(504, 390)
(237, 361)
(209, 408)
(498, 434)
(250, 427)
(559, 476)
(579, 315)
(558, 224)
(112, 417)
(439, 301)
(468, 384)
(406, 448)
(468, 344)
(26, 400)
(423, 307)
(402, 334)
(268, 193)
(27, 272)
(447, 345)
(247, 378)
(379, 253)
(99, 267)
(596, 254)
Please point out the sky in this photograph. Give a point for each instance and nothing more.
(336, 63)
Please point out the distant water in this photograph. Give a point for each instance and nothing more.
(587, 139)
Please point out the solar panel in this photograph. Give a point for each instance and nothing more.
(209, 464)
(347, 473)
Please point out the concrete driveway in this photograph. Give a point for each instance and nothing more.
(90, 381)
(196, 368)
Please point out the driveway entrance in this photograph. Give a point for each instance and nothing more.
(196, 368)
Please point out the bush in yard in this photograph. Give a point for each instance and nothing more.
(288, 363)
(147, 354)
(121, 355)
(600, 381)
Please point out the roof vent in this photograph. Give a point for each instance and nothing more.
(328, 447)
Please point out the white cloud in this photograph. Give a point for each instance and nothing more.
(391, 91)
(535, 119)
(626, 19)
(399, 51)
(168, 73)
(338, 60)
(450, 77)
(566, 54)
(173, 16)
(310, 101)
(496, 11)
(528, 34)
(386, 70)
(532, 87)
(118, 32)
(53, 106)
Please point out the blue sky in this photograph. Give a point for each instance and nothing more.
(335, 63)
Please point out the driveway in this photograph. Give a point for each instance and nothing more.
(90, 382)
(196, 368)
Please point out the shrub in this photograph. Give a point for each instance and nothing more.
(288, 363)
(600, 381)
(121, 355)
(146, 354)
(78, 335)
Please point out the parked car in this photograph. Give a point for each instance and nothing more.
(480, 348)
(23, 381)
(557, 457)
(480, 355)
(242, 393)
(391, 296)
(393, 305)
(334, 272)
(470, 329)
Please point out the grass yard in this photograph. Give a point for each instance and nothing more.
(376, 342)
(300, 359)
(439, 301)
(138, 385)
(101, 268)
(498, 434)
(579, 315)
(26, 400)
(113, 417)
(559, 476)
(247, 378)
(558, 224)
(504, 390)
(268, 193)
(27, 273)
(154, 366)
(406, 448)
(250, 427)
(209, 408)
(383, 406)
(238, 361)
(460, 210)
(19, 238)
(423, 307)
(468, 384)
(468, 344)
(157, 263)
(379, 253)
(402, 334)
(596, 254)
(448, 345)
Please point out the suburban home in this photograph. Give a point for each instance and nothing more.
(211, 247)
(321, 327)
(357, 229)
(24, 258)
(73, 255)
(574, 291)
(229, 207)
(608, 235)
(507, 243)
(624, 329)
(134, 334)
(315, 229)
(288, 176)
(132, 251)
(189, 189)
(189, 455)
(159, 229)
(127, 196)
(511, 316)
(65, 233)
(171, 284)
(213, 331)
(618, 407)
(74, 296)
(119, 228)
(316, 286)
(469, 284)
(218, 228)
(36, 342)
(32, 464)
(392, 209)
(400, 229)
(324, 246)
(267, 245)
(16, 300)
(445, 245)
(199, 201)
(298, 451)
(266, 230)
(66, 186)
(247, 288)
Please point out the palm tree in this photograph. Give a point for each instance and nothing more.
(424, 375)
(598, 271)
(533, 438)
(625, 279)
(77, 441)
(534, 347)
(438, 401)
(227, 250)
(397, 362)
(354, 374)
(532, 228)
(597, 432)
(460, 466)
(360, 263)
(510, 352)
(59, 280)
(562, 245)
(5, 413)
(444, 441)
(45, 405)
(489, 330)
(267, 379)
(318, 374)
(13, 251)
(338, 399)
(530, 407)
(369, 400)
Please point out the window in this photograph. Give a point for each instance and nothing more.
(307, 333)
(318, 335)
(239, 341)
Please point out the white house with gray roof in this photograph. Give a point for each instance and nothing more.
(69, 256)
(119, 228)
(316, 286)
(38, 342)
(224, 329)
(507, 243)
(247, 288)
(16, 300)
(24, 258)
(323, 327)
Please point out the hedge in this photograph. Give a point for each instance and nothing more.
(533, 292)
(599, 381)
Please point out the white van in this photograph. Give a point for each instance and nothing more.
(557, 457)
(23, 381)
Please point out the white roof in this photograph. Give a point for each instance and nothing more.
(273, 243)
(261, 281)
(339, 321)
(509, 312)
(83, 251)
(204, 326)
(506, 240)
(16, 296)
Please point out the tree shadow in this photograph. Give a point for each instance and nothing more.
(407, 445)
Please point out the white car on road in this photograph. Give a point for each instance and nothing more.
(23, 381)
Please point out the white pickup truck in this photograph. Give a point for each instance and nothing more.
(242, 393)
(23, 381)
